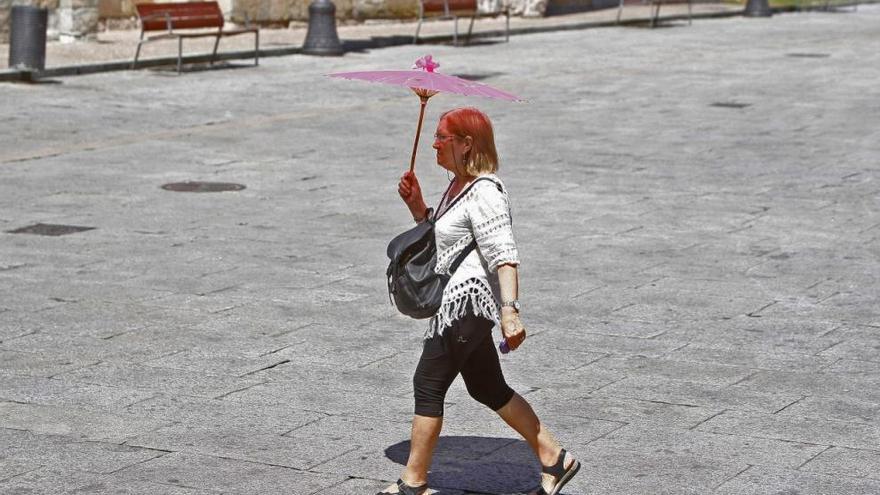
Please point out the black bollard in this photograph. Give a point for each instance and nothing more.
(27, 38)
(758, 8)
(321, 39)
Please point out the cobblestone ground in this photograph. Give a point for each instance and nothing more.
(697, 213)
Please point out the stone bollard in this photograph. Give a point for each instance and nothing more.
(27, 38)
(321, 38)
(77, 19)
(758, 8)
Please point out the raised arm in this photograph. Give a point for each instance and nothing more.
(411, 193)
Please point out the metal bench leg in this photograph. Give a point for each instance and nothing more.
(470, 29)
(256, 48)
(619, 11)
(690, 14)
(418, 28)
(179, 54)
(507, 26)
(656, 15)
(214, 54)
(455, 30)
(137, 52)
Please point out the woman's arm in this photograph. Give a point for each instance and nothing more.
(411, 193)
(511, 326)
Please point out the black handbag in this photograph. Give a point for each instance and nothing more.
(412, 284)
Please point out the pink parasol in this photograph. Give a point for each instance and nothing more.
(426, 82)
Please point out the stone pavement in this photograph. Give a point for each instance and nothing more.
(119, 45)
(697, 214)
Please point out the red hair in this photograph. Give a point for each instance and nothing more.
(468, 121)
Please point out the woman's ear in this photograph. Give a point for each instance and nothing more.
(468, 143)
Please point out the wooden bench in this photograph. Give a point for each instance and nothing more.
(188, 16)
(655, 10)
(453, 9)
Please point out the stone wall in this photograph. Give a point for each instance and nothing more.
(559, 7)
(77, 19)
(284, 11)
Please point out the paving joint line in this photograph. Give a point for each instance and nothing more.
(694, 428)
(741, 380)
(279, 363)
(754, 314)
(748, 466)
(227, 394)
(826, 449)
(310, 468)
(4, 480)
(789, 405)
(163, 454)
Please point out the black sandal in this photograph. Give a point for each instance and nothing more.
(404, 489)
(561, 474)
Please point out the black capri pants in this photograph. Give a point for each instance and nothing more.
(466, 347)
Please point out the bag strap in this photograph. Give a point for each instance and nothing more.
(470, 247)
(462, 194)
(460, 258)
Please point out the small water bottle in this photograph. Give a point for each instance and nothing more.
(503, 347)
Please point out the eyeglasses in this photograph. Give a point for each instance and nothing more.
(443, 138)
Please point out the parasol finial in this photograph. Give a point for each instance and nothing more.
(426, 63)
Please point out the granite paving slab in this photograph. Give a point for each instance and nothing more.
(850, 462)
(65, 481)
(49, 391)
(621, 410)
(60, 452)
(227, 475)
(78, 423)
(157, 379)
(795, 429)
(222, 414)
(723, 448)
(40, 364)
(239, 442)
(761, 479)
(689, 393)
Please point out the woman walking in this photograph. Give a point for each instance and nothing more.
(481, 293)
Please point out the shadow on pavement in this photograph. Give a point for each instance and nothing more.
(460, 463)
(199, 67)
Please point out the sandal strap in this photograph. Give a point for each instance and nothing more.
(410, 490)
(558, 469)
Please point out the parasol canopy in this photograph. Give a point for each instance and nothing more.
(426, 82)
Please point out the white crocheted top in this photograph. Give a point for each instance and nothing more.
(481, 211)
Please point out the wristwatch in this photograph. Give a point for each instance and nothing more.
(511, 304)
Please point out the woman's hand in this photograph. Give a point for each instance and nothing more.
(512, 328)
(411, 193)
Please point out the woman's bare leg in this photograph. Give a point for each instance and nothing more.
(519, 415)
(425, 432)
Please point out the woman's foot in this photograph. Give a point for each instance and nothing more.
(403, 489)
(554, 477)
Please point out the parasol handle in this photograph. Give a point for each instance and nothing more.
(412, 161)
(423, 95)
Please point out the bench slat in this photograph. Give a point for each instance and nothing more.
(454, 5)
(190, 15)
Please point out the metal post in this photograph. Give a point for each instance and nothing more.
(27, 37)
(758, 8)
(321, 38)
